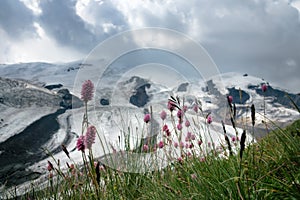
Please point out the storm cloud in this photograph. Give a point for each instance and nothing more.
(261, 38)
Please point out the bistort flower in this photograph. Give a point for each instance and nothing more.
(87, 91)
(80, 143)
(147, 118)
(90, 137)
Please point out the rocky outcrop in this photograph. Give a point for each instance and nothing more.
(183, 87)
(69, 101)
(277, 96)
(140, 98)
(18, 94)
(237, 99)
(137, 89)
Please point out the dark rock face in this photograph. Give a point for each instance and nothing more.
(183, 87)
(55, 86)
(68, 100)
(236, 96)
(211, 88)
(25, 148)
(277, 96)
(104, 102)
(140, 98)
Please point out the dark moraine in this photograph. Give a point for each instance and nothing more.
(24, 149)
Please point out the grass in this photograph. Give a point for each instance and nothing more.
(267, 169)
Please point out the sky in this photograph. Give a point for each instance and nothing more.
(258, 37)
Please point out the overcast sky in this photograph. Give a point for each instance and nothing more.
(258, 37)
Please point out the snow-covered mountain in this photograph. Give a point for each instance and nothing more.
(29, 91)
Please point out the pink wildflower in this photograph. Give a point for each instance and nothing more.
(90, 136)
(165, 127)
(87, 91)
(264, 87)
(145, 147)
(181, 144)
(168, 133)
(161, 144)
(187, 139)
(199, 142)
(187, 145)
(193, 137)
(50, 166)
(171, 106)
(209, 119)
(80, 143)
(233, 139)
(230, 99)
(185, 108)
(187, 123)
(180, 160)
(188, 135)
(147, 118)
(179, 127)
(196, 108)
(163, 115)
(179, 114)
(176, 144)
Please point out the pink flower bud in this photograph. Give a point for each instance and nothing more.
(179, 127)
(188, 135)
(175, 144)
(179, 114)
(180, 159)
(161, 144)
(145, 147)
(230, 99)
(264, 87)
(209, 119)
(193, 137)
(80, 143)
(187, 123)
(185, 108)
(196, 108)
(163, 115)
(171, 106)
(165, 127)
(168, 133)
(233, 139)
(181, 144)
(147, 118)
(50, 166)
(199, 142)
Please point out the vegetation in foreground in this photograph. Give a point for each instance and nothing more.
(267, 169)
